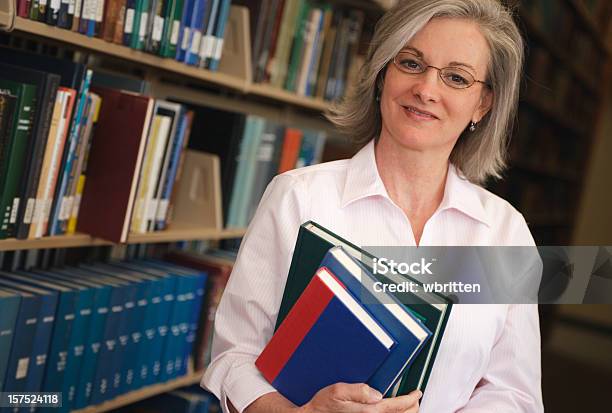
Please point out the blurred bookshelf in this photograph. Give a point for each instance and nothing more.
(560, 112)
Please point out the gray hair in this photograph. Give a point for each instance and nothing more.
(479, 154)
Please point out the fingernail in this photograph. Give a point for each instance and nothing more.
(376, 394)
(419, 394)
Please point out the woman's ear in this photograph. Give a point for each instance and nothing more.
(486, 101)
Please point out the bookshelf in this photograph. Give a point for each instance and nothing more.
(238, 81)
(145, 393)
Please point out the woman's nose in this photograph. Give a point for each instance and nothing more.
(427, 85)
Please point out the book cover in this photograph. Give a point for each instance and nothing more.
(108, 197)
(326, 338)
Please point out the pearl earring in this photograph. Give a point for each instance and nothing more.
(472, 126)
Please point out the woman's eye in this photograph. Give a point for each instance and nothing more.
(411, 64)
(457, 79)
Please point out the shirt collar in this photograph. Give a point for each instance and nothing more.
(363, 180)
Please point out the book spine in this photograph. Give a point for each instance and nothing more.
(52, 11)
(44, 331)
(57, 159)
(23, 342)
(75, 172)
(15, 165)
(217, 46)
(174, 155)
(185, 31)
(59, 210)
(130, 16)
(168, 12)
(76, 347)
(36, 147)
(92, 348)
(208, 40)
(9, 308)
(52, 141)
(298, 48)
(80, 185)
(102, 383)
(149, 338)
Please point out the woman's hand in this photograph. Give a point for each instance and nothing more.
(359, 398)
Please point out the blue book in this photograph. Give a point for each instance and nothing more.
(122, 363)
(213, 62)
(44, 330)
(168, 321)
(185, 32)
(192, 54)
(80, 329)
(326, 338)
(192, 310)
(409, 332)
(20, 357)
(60, 209)
(176, 150)
(9, 308)
(137, 318)
(95, 329)
(152, 314)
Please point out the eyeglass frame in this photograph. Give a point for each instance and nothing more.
(426, 66)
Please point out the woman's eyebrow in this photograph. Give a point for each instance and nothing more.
(421, 56)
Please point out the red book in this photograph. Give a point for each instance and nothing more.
(117, 149)
(291, 150)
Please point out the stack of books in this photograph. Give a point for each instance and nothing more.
(94, 332)
(305, 47)
(189, 31)
(415, 322)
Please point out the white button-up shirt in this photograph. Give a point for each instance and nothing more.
(489, 357)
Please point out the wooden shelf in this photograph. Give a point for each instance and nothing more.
(142, 394)
(97, 45)
(84, 240)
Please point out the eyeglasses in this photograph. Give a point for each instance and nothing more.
(454, 77)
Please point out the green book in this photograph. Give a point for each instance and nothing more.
(12, 169)
(173, 12)
(432, 309)
(295, 61)
(141, 17)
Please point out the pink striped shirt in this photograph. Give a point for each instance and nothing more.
(489, 358)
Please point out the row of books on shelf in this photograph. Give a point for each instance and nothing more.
(91, 151)
(96, 331)
(190, 31)
(252, 150)
(305, 46)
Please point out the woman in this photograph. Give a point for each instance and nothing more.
(434, 105)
